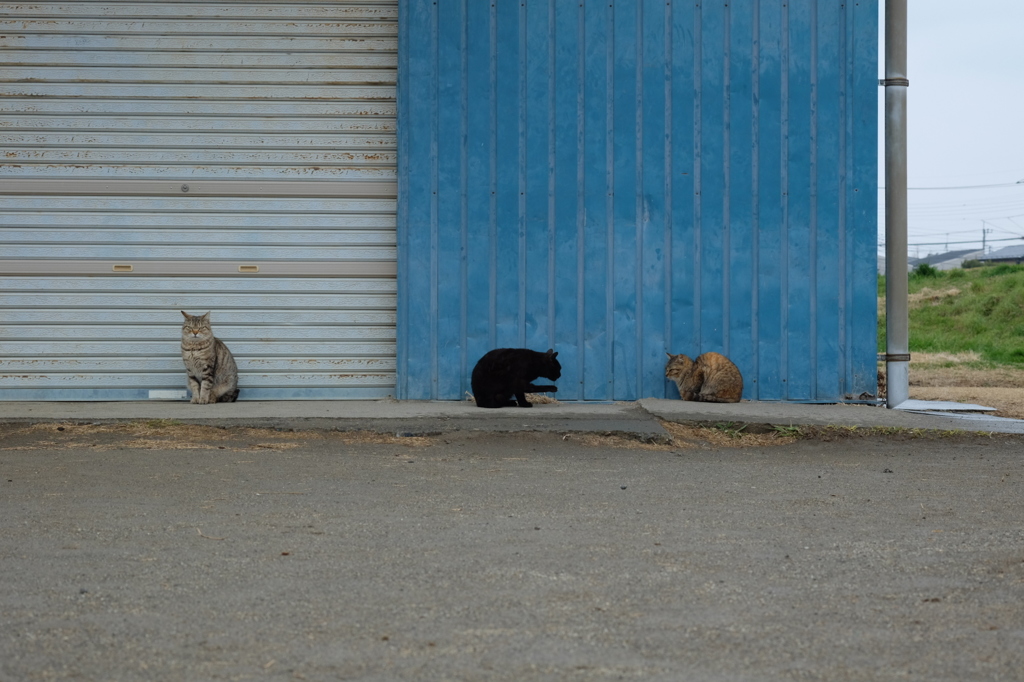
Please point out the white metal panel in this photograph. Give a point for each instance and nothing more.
(237, 157)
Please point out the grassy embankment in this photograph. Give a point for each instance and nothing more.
(978, 312)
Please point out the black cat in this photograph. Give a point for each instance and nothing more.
(506, 372)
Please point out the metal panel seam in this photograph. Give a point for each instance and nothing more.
(639, 199)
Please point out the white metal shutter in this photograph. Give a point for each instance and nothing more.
(237, 157)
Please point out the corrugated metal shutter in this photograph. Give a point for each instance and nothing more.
(237, 157)
(620, 179)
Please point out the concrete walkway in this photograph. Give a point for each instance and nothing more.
(640, 418)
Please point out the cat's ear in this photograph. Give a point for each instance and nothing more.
(206, 317)
(552, 353)
(184, 314)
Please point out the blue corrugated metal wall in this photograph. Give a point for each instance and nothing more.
(621, 179)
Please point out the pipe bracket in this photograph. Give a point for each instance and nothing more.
(894, 357)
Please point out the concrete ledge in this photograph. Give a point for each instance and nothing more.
(412, 417)
(803, 414)
(641, 419)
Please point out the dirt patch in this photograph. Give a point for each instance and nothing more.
(1009, 402)
(169, 435)
(959, 378)
(727, 435)
(683, 436)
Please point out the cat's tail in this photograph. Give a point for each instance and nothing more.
(717, 398)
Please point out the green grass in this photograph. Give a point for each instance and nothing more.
(731, 429)
(986, 316)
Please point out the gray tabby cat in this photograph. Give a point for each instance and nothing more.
(212, 373)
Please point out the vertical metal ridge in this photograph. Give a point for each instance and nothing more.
(610, 197)
(521, 121)
(639, 211)
(864, 198)
(476, 270)
(754, 387)
(698, 75)
(784, 175)
(669, 188)
(581, 180)
(727, 178)
(813, 237)
(492, 142)
(509, 82)
(552, 112)
(433, 199)
(842, 217)
(464, 199)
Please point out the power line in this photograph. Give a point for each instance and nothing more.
(970, 241)
(967, 208)
(1002, 184)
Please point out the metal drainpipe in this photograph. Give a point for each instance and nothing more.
(897, 326)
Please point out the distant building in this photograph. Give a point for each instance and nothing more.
(881, 264)
(1007, 254)
(950, 260)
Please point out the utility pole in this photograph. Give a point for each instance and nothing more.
(897, 289)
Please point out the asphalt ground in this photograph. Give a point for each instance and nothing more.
(163, 550)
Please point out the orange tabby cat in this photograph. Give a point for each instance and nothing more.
(711, 378)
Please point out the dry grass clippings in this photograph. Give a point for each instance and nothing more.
(945, 359)
(688, 436)
(166, 435)
(726, 435)
(533, 398)
(925, 296)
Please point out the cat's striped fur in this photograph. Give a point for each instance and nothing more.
(212, 373)
(711, 378)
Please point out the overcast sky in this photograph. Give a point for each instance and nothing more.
(965, 124)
